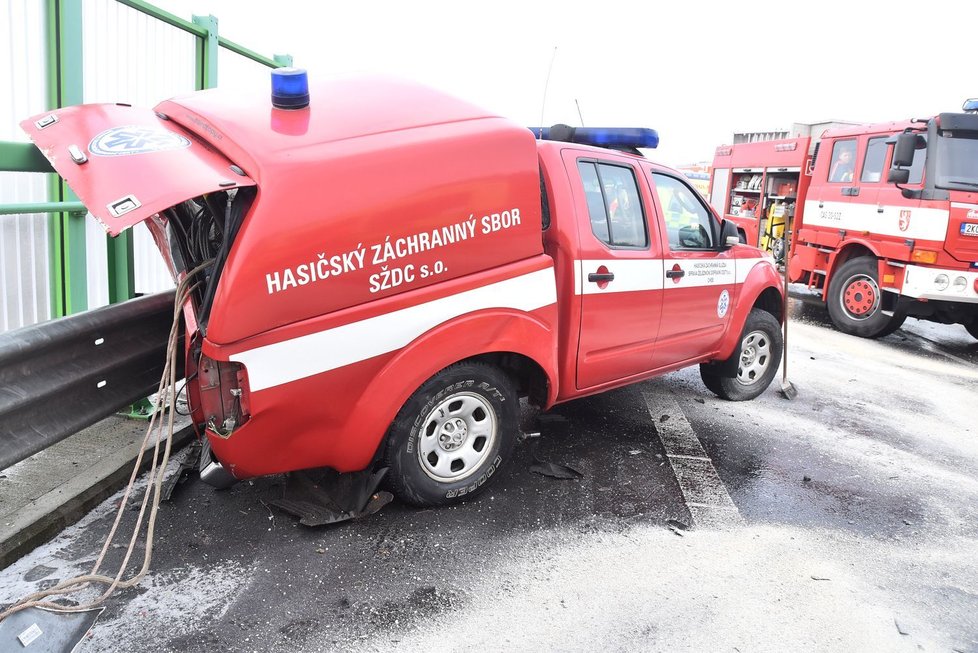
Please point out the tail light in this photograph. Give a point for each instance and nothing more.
(222, 388)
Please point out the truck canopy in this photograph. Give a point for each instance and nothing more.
(127, 163)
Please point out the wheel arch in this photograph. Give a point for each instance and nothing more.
(852, 249)
(761, 289)
(523, 345)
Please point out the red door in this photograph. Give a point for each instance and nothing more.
(619, 269)
(699, 278)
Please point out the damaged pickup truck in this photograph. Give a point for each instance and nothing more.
(387, 270)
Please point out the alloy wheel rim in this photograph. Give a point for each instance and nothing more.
(456, 437)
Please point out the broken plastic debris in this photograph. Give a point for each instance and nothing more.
(555, 470)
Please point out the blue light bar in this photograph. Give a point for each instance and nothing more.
(610, 137)
(290, 88)
(970, 105)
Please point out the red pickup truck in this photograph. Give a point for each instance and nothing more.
(388, 270)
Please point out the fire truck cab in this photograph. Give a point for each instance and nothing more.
(385, 270)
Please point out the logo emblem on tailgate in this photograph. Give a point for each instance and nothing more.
(135, 139)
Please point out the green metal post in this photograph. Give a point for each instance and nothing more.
(207, 48)
(69, 287)
(283, 60)
(122, 275)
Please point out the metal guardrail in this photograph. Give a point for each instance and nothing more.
(59, 377)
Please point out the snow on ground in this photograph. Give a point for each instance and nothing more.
(752, 589)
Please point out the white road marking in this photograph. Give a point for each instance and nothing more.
(704, 493)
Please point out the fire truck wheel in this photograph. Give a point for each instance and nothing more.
(855, 300)
(757, 360)
(452, 435)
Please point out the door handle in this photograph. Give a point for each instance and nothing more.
(675, 274)
(598, 277)
(879, 209)
(851, 191)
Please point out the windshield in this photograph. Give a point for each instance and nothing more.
(957, 161)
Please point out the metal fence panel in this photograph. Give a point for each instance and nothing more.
(236, 71)
(25, 295)
(133, 58)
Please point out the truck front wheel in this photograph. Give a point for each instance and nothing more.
(855, 301)
(453, 435)
(757, 360)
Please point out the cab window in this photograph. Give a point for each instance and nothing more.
(843, 161)
(613, 203)
(689, 224)
(873, 161)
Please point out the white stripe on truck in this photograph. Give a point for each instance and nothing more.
(649, 274)
(298, 358)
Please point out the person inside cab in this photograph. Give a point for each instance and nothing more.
(843, 161)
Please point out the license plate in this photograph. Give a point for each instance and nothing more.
(969, 229)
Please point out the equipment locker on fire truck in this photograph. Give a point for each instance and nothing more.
(386, 270)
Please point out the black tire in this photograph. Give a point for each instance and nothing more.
(757, 359)
(452, 435)
(855, 301)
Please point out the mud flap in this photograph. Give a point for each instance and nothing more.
(324, 496)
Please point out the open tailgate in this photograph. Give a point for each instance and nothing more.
(127, 163)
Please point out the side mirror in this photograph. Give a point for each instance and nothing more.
(905, 146)
(898, 175)
(729, 236)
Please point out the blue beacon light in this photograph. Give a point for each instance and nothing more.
(290, 88)
(611, 137)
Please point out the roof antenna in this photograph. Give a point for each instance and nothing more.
(579, 111)
(546, 85)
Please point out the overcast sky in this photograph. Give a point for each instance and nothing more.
(695, 71)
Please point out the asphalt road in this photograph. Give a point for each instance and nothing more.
(845, 519)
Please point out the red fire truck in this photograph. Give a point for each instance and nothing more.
(388, 269)
(883, 219)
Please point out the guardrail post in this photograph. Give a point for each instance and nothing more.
(69, 284)
(122, 275)
(207, 49)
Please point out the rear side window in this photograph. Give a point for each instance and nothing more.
(874, 160)
(613, 203)
(689, 224)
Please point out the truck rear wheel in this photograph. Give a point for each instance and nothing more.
(452, 435)
(757, 359)
(855, 301)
